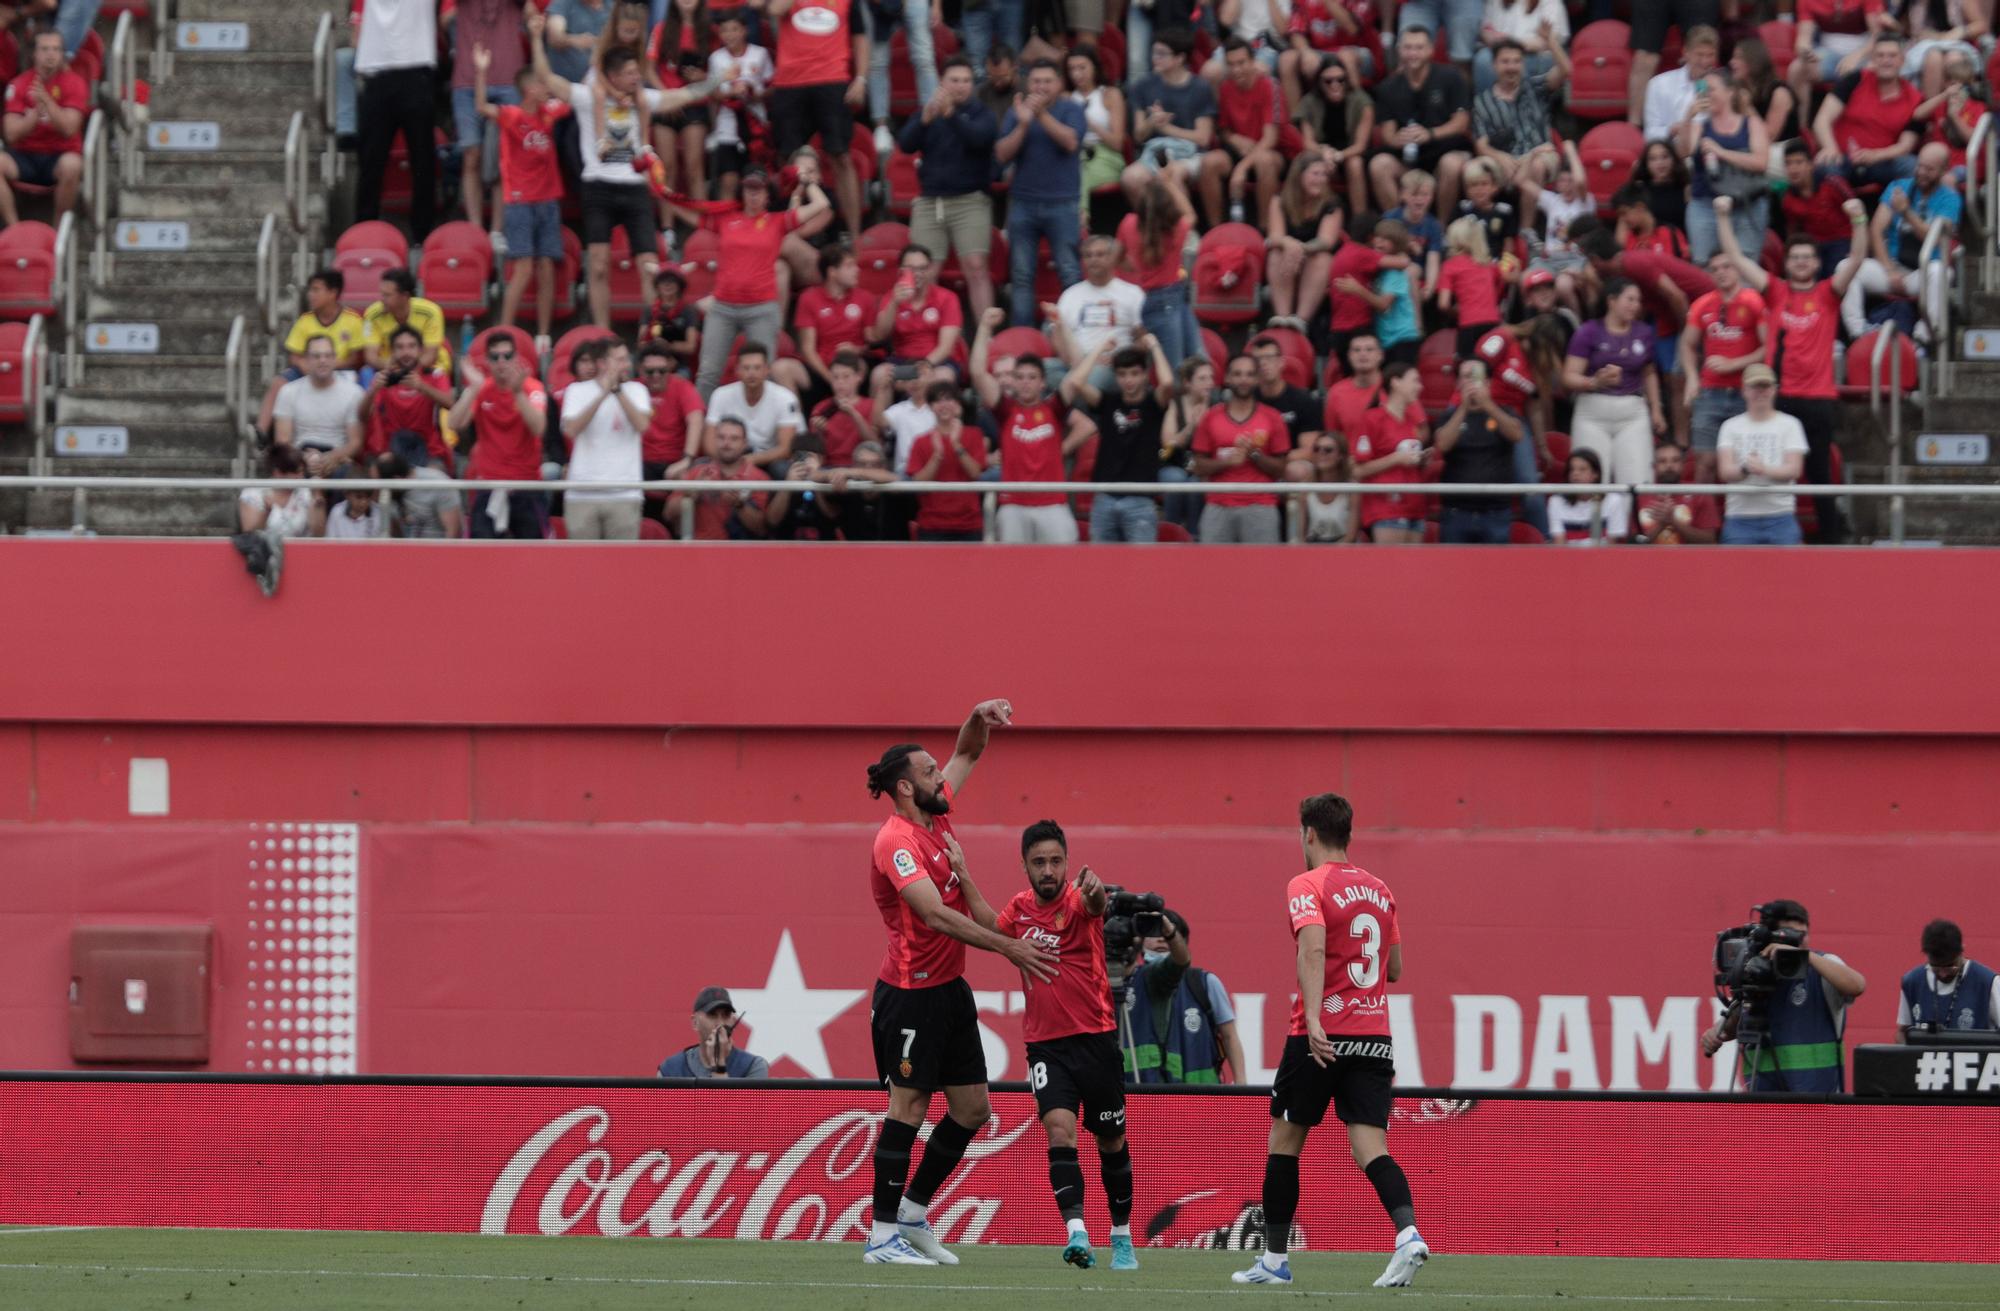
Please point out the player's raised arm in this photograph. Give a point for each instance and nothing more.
(976, 905)
(1091, 889)
(1312, 987)
(922, 896)
(972, 738)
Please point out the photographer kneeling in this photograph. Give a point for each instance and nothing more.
(1182, 1027)
(1794, 1010)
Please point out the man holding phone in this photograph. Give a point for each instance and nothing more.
(714, 1055)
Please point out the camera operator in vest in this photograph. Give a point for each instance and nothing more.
(1787, 1003)
(1950, 994)
(1181, 1026)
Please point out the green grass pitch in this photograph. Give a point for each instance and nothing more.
(56, 1270)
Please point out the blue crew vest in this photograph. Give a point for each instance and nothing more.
(1966, 1009)
(1803, 1053)
(1188, 1051)
(679, 1065)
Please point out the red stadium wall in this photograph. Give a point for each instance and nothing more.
(586, 782)
(1501, 1176)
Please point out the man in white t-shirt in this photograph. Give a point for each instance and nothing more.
(911, 417)
(604, 419)
(1762, 449)
(320, 413)
(615, 194)
(769, 413)
(1102, 306)
(1670, 94)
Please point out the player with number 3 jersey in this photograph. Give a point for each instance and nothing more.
(1349, 949)
(1073, 1057)
(925, 1026)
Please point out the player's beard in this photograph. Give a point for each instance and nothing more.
(937, 803)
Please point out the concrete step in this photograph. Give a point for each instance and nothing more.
(1955, 521)
(192, 93)
(182, 199)
(287, 26)
(143, 375)
(287, 74)
(97, 401)
(161, 443)
(194, 321)
(120, 513)
(234, 235)
(225, 171)
(1970, 407)
(206, 270)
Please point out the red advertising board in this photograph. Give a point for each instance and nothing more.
(1504, 1176)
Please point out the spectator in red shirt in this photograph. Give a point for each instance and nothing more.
(829, 318)
(508, 412)
(1814, 207)
(531, 189)
(1248, 126)
(1241, 441)
(1390, 446)
(672, 439)
(845, 419)
(1954, 112)
(1674, 518)
(746, 299)
(1830, 38)
(405, 398)
(1866, 127)
(46, 108)
(1361, 390)
(954, 451)
(1035, 439)
(919, 322)
(727, 515)
(1723, 337)
(822, 55)
(1803, 312)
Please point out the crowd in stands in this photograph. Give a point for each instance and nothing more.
(50, 60)
(854, 242)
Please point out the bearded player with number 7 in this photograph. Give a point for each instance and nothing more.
(1339, 1052)
(924, 1023)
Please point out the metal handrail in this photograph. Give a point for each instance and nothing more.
(34, 391)
(1934, 237)
(236, 389)
(97, 189)
(297, 199)
(270, 276)
(323, 70)
(163, 46)
(68, 290)
(1884, 341)
(1980, 196)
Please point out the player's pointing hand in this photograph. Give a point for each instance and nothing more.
(997, 713)
(1088, 883)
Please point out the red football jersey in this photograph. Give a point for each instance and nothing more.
(1031, 448)
(919, 956)
(1729, 330)
(1078, 999)
(1510, 375)
(1359, 916)
(528, 171)
(1806, 322)
(836, 323)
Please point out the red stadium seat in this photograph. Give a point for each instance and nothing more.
(699, 260)
(569, 271)
(1111, 55)
(1298, 355)
(374, 234)
(1861, 353)
(1556, 470)
(362, 270)
(27, 279)
(88, 61)
(1217, 351)
(524, 347)
(1525, 534)
(1609, 151)
(1601, 59)
(899, 184)
(1336, 369)
(652, 530)
(629, 293)
(1780, 37)
(28, 233)
(559, 374)
(879, 252)
(1168, 531)
(1017, 341)
(398, 183)
(1228, 275)
(21, 373)
(1437, 361)
(457, 264)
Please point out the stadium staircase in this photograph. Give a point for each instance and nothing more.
(257, 194)
(1965, 401)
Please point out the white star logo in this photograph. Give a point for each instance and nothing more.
(785, 1017)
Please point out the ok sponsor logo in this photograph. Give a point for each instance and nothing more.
(1305, 903)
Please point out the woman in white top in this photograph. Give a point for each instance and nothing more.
(1103, 121)
(286, 511)
(1570, 516)
(1536, 24)
(1329, 516)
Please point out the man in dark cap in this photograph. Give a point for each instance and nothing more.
(713, 1055)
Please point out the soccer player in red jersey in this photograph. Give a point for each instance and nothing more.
(926, 1028)
(1073, 1056)
(1339, 1051)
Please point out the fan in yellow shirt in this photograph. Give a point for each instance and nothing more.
(325, 316)
(400, 304)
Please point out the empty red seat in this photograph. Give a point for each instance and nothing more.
(1609, 151)
(1557, 469)
(1601, 70)
(374, 234)
(1217, 351)
(1228, 274)
(361, 271)
(456, 267)
(880, 252)
(899, 181)
(1437, 362)
(23, 365)
(29, 233)
(1861, 356)
(27, 281)
(699, 259)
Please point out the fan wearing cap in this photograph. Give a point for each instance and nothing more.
(1764, 449)
(713, 1055)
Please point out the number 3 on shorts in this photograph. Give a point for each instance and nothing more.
(1038, 1075)
(909, 1037)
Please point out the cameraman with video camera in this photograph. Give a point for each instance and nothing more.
(1787, 1005)
(1180, 1025)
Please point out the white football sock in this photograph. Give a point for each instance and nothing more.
(1274, 1260)
(880, 1233)
(909, 1213)
(1121, 1231)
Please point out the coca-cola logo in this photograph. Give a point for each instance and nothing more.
(817, 1188)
